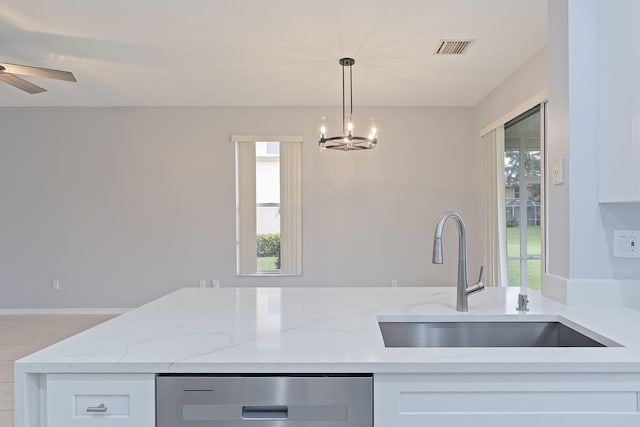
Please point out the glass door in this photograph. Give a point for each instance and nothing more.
(523, 196)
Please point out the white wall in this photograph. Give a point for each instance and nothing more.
(125, 204)
(515, 94)
(580, 251)
(558, 147)
(519, 92)
(581, 266)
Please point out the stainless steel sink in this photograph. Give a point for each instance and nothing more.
(486, 334)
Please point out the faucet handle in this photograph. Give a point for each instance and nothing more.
(478, 286)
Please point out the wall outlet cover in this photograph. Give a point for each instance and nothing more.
(625, 243)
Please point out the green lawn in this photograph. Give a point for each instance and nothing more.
(534, 267)
(267, 263)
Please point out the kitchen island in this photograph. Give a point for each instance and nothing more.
(335, 331)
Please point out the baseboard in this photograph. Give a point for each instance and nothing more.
(604, 292)
(554, 287)
(592, 292)
(86, 311)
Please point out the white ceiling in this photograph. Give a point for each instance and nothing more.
(266, 52)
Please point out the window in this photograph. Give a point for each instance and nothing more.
(523, 198)
(268, 206)
(514, 205)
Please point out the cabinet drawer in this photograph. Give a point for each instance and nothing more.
(121, 400)
(505, 400)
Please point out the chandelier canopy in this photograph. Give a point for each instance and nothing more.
(348, 141)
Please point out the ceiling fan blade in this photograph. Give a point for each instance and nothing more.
(20, 83)
(49, 73)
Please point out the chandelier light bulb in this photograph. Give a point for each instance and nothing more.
(374, 129)
(323, 129)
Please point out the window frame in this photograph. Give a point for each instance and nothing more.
(290, 200)
(523, 257)
(492, 139)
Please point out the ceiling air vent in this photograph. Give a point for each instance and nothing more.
(453, 47)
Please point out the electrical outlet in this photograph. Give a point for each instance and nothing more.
(55, 284)
(625, 243)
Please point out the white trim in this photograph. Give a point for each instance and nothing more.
(554, 287)
(539, 98)
(15, 311)
(290, 205)
(592, 292)
(603, 292)
(254, 138)
(271, 274)
(501, 203)
(543, 187)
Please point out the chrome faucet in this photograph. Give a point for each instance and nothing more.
(463, 290)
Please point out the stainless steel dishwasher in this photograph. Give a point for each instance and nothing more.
(264, 401)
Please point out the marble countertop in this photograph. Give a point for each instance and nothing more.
(300, 330)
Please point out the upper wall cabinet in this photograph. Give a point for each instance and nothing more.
(619, 101)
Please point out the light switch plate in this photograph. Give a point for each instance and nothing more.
(625, 243)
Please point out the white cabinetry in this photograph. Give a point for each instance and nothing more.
(619, 101)
(100, 400)
(506, 400)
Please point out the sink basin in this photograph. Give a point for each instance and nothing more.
(486, 334)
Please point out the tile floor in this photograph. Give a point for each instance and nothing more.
(24, 334)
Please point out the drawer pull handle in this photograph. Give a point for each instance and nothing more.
(265, 412)
(99, 408)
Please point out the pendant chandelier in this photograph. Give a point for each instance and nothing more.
(348, 141)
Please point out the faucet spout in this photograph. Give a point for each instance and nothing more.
(437, 251)
(462, 289)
